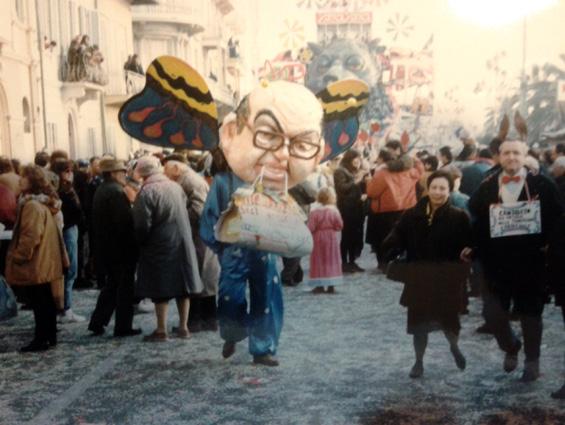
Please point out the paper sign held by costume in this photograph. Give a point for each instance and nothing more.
(266, 222)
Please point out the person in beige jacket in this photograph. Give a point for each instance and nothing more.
(36, 255)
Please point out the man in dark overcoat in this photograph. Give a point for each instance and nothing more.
(115, 251)
(512, 251)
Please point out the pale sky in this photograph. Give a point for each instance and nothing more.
(462, 45)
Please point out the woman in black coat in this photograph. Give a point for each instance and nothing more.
(349, 187)
(433, 234)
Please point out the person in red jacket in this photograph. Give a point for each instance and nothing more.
(392, 190)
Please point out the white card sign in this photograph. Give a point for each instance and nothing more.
(515, 218)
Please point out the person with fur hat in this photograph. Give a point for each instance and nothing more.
(168, 265)
(115, 251)
(515, 212)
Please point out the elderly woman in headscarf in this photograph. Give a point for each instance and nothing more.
(168, 266)
(350, 185)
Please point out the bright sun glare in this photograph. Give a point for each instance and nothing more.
(497, 12)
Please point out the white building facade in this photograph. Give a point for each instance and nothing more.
(199, 32)
(42, 108)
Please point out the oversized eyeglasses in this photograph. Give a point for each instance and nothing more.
(305, 145)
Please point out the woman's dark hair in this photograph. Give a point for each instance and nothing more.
(62, 165)
(432, 161)
(41, 159)
(394, 145)
(547, 156)
(441, 174)
(467, 152)
(485, 153)
(219, 162)
(38, 182)
(446, 151)
(422, 154)
(385, 155)
(5, 165)
(348, 158)
(494, 145)
(57, 156)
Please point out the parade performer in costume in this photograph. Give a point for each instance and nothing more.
(277, 127)
(275, 134)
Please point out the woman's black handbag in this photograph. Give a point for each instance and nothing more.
(418, 272)
(398, 269)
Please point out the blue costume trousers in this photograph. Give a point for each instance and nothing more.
(263, 322)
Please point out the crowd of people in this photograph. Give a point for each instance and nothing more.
(134, 231)
(130, 231)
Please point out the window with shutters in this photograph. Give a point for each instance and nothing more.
(64, 25)
(110, 139)
(51, 135)
(20, 9)
(27, 115)
(88, 24)
(73, 24)
(91, 141)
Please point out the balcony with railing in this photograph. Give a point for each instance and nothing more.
(187, 14)
(121, 89)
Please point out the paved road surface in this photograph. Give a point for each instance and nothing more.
(344, 358)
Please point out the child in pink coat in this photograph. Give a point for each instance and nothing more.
(325, 261)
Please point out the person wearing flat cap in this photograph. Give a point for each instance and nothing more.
(115, 251)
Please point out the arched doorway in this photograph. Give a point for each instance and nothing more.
(72, 136)
(5, 146)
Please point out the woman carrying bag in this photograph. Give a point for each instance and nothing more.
(37, 255)
(433, 235)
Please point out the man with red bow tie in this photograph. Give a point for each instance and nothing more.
(514, 212)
